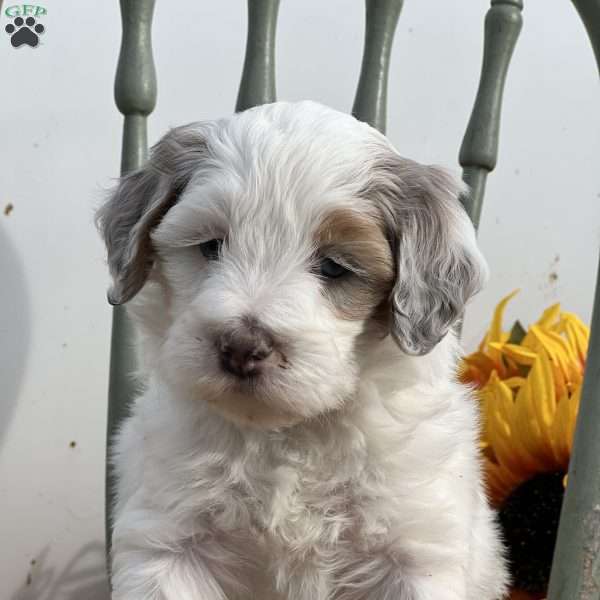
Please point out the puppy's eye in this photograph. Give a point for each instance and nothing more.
(329, 268)
(211, 249)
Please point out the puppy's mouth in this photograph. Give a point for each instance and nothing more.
(253, 400)
(252, 386)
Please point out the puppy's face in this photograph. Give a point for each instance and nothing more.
(270, 290)
(284, 239)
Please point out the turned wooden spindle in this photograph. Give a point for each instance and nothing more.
(370, 102)
(479, 150)
(135, 96)
(576, 565)
(258, 76)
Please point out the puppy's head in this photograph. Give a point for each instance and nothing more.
(282, 237)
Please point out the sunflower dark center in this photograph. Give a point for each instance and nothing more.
(529, 519)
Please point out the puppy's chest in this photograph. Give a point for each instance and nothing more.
(307, 504)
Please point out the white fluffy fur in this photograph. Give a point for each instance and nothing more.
(355, 475)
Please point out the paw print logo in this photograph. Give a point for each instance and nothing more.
(24, 31)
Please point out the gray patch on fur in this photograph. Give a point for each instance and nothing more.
(140, 201)
(438, 265)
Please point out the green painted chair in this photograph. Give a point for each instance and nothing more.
(576, 567)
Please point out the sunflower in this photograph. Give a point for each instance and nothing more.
(529, 384)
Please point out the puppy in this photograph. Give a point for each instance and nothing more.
(301, 434)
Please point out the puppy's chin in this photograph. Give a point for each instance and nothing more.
(248, 409)
(260, 404)
(251, 403)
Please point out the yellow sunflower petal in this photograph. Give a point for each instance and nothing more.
(549, 316)
(522, 356)
(531, 342)
(578, 334)
(484, 342)
(480, 368)
(495, 332)
(501, 441)
(559, 352)
(497, 391)
(560, 341)
(561, 434)
(543, 399)
(576, 322)
(531, 446)
(515, 382)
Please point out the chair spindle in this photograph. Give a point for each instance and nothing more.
(576, 565)
(479, 150)
(258, 76)
(135, 96)
(370, 102)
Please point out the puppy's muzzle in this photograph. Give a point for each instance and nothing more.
(244, 351)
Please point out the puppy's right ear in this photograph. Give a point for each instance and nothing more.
(140, 201)
(438, 264)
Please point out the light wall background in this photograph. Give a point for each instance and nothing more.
(59, 150)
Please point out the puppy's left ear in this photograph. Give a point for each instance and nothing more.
(140, 201)
(438, 264)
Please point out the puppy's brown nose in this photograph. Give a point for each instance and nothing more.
(244, 350)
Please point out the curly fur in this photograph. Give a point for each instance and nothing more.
(349, 470)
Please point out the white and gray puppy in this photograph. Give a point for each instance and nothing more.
(301, 434)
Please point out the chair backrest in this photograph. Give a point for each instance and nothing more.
(135, 94)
